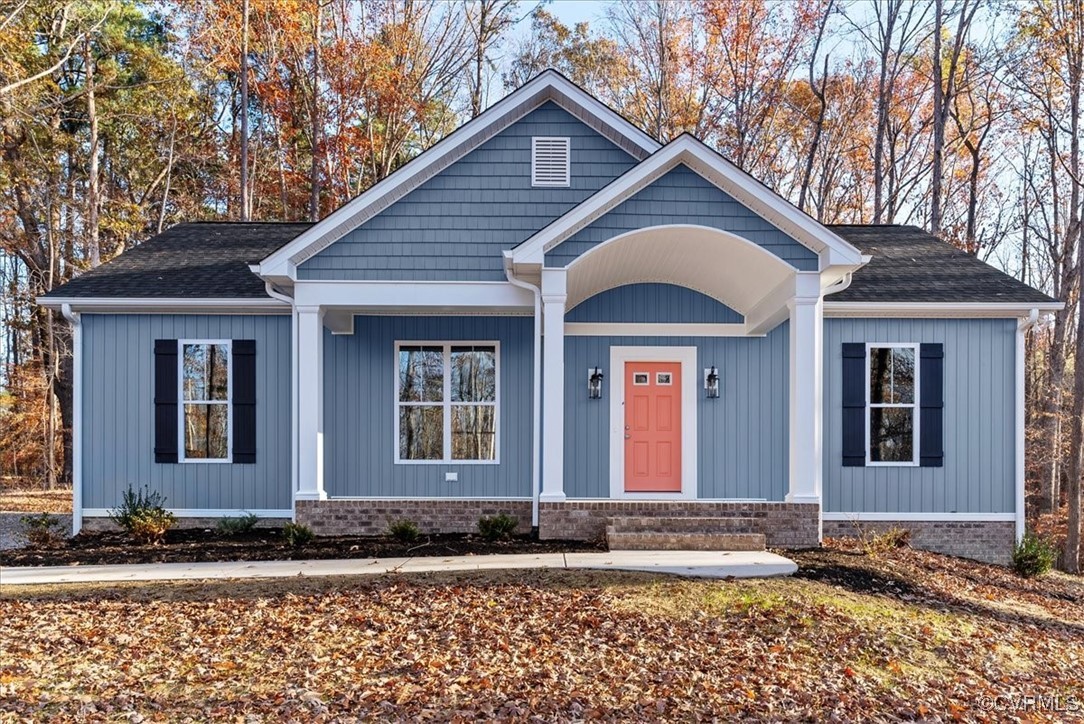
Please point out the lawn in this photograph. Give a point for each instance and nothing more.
(910, 635)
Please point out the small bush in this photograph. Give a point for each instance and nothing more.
(237, 526)
(142, 514)
(1033, 556)
(497, 527)
(42, 530)
(404, 531)
(297, 534)
(880, 543)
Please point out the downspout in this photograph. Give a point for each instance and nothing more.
(294, 479)
(1021, 446)
(536, 423)
(77, 416)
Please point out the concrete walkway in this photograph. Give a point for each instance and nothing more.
(699, 564)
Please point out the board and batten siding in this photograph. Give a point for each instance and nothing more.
(118, 414)
(742, 450)
(682, 196)
(359, 410)
(653, 303)
(979, 472)
(455, 225)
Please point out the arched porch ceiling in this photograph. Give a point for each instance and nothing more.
(720, 264)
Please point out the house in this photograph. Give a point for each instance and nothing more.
(552, 315)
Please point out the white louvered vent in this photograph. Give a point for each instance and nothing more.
(549, 161)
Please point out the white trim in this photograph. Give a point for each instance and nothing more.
(432, 498)
(547, 86)
(654, 329)
(204, 512)
(714, 168)
(1019, 422)
(556, 142)
(686, 357)
(936, 309)
(77, 416)
(165, 305)
(403, 295)
(913, 406)
(446, 404)
(182, 402)
(918, 517)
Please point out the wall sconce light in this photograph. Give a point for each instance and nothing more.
(594, 383)
(711, 382)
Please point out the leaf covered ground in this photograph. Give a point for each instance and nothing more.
(35, 501)
(909, 636)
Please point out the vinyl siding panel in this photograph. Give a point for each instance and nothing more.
(455, 225)
(359, 410)
(742, 445)
(979, 469)
(683, 196)
(653, 303)
(118, 414)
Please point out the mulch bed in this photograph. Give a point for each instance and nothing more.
(191, 546)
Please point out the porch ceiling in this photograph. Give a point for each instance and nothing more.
(720, 264)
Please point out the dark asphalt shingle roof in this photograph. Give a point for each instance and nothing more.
(910, 265)
(203, 259)
(211, 260)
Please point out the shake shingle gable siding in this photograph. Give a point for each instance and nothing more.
(682, 196)
(455, 225)
(910, 265)
(197, 260)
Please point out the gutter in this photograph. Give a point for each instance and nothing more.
(536, 426)
(295, 376)
(77, 416)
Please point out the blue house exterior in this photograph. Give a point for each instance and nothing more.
(552, 315)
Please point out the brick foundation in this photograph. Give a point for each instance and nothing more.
(784, 525)
(987, 541)
(371, 517)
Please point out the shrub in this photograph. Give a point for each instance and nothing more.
(1033, 556)
(142, 514)
(404, 531)
(236, 526)
(880, 543)
(497, 527)
(42, 530)
(297, 534)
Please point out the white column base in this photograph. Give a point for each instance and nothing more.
(797, 498)
(310, 495)
(553, 497)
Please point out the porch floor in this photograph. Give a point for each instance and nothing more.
(697, 564)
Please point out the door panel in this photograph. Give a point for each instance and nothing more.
(653, 427)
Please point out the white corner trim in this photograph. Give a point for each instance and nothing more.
(661, 329)
(687, 358)
(920, 517)
(936, 309)
(166, 305)
(715, 169)
(77, 416)
(204, 512)
(547, 86)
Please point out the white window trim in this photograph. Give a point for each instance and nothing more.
(447, 404)
(568, 162)
(181, 457)
(914, 406)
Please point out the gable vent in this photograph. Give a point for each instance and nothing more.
(549, 161)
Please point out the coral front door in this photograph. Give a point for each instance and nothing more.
(652, 427)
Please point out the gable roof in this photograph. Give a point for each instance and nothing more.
(547, 86)
(188, 261)
(911, 265)
(689, 151)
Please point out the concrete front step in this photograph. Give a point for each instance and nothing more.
(654, 524)
(682, 541)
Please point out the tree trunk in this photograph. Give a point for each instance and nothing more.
(938, 164)
(246, 203)
(314, 120)
(93, 181)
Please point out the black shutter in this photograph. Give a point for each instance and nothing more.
(244, 401)
(165, 400)
(931, 444)
(854, 405)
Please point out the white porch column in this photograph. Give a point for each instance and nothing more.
(806, 389)
(310, 404)
(554, 293)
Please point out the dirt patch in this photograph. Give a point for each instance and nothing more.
(191, 546)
